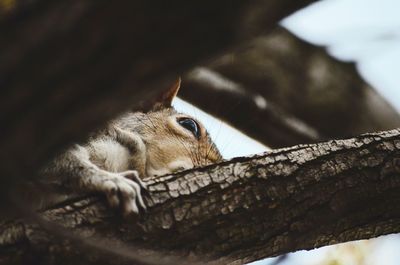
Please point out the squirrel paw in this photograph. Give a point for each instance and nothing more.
(123, 190)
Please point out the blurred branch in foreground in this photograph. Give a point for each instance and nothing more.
(66, 67)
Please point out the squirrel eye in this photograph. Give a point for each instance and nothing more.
(190, 125)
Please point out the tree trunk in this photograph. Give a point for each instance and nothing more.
(237, 211)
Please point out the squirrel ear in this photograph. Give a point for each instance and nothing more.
(166, 98)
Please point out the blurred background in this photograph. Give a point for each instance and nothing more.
(327, 71)
(309, 96)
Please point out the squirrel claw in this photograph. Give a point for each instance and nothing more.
(124, 190)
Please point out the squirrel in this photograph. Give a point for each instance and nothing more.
(132, 147)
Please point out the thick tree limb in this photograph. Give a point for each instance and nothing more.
(245, 209)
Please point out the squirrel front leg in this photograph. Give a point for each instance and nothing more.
(74, 171)
(135, 145)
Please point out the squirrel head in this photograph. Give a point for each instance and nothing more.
(174, 141)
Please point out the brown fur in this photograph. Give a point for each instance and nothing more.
(167, 142)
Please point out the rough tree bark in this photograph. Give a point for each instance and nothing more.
(241, 210)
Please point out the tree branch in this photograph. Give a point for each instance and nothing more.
(246, 109)
(244, 209)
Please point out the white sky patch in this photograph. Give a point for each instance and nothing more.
(386, 250)
(383, 73)
(230, 141)
(337, 21)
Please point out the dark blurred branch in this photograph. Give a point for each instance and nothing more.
(245, 109)
(300, 84)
